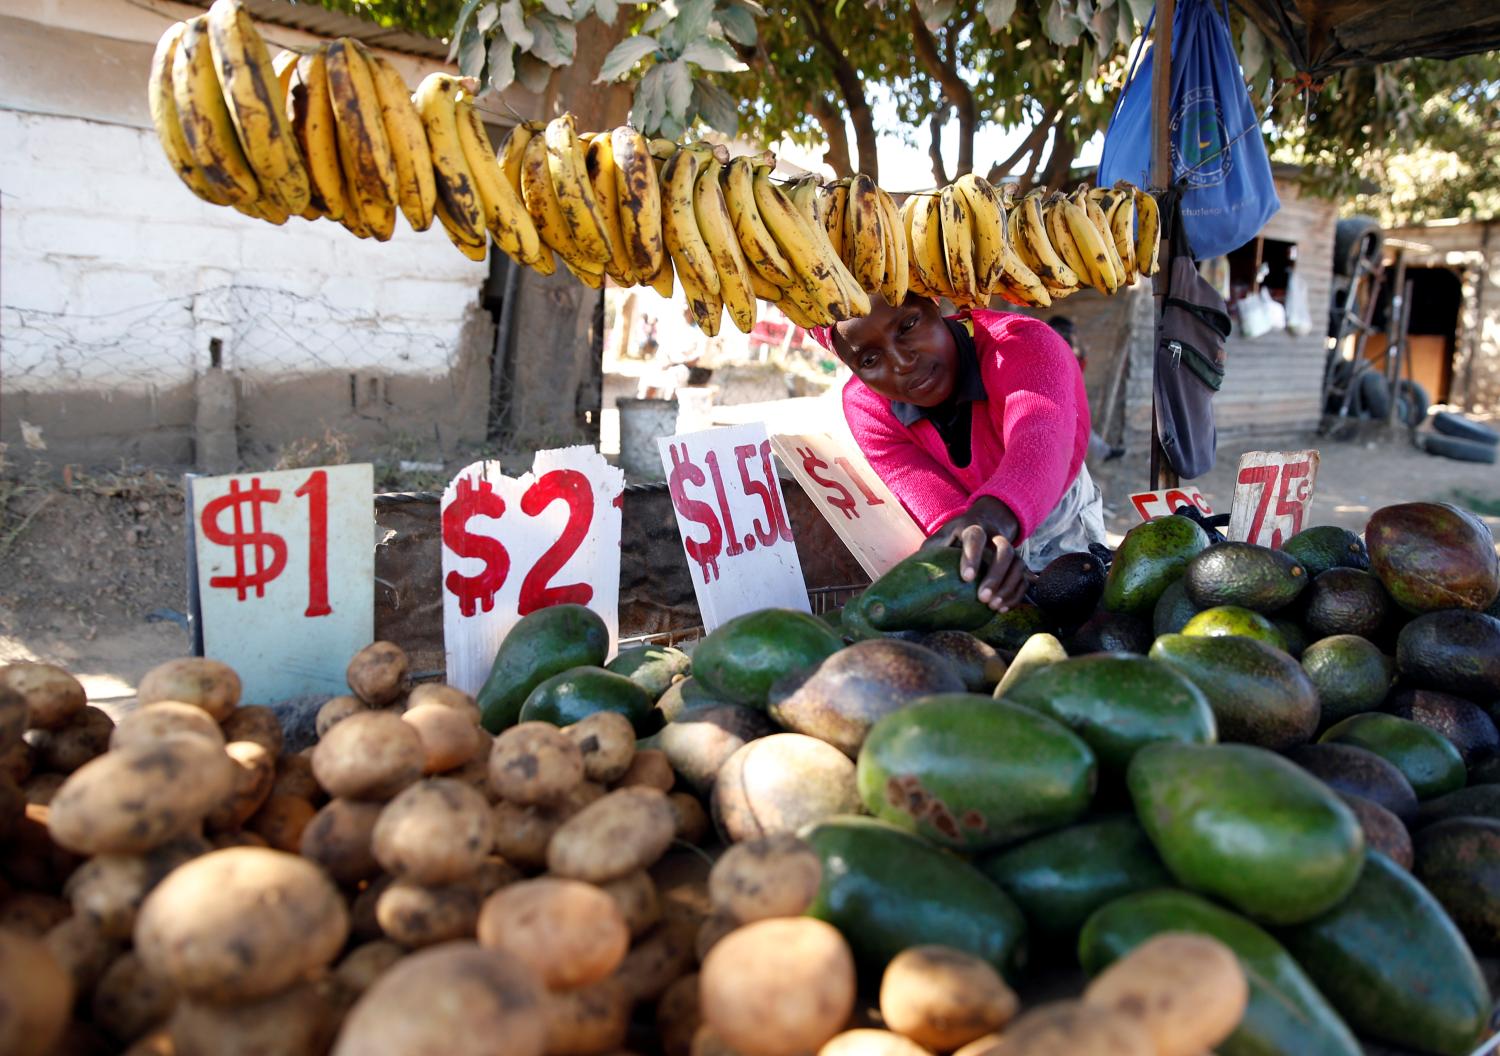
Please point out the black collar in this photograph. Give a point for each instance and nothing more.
(968, 387)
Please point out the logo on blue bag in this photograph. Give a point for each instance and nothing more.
(1200, 145)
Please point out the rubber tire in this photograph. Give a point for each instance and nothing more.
(1373, 399)
(1417, 402)
(1347, 239)
(1458, 449)
(1450, 424)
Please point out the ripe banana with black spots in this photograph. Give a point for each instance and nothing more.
(763, 290)
(1114, 270)
(207, 128)
(511, 159)
(864, 239)
(958, 248)
(369, 169)
(817, 292)
(1147, 232)
(416, 185)
(1033, 244)
(690, 255)
(804, 198)
(311, 110)
(896, 281)
(662, 281)
(256, 105)
(989, 229)
(568, 169)
(833, 214)
(504, 213)
(540, 195)
(638, 203)
(756, 243)
(1079, 241)
(712, 214)
(475, 248)
(925, 239)
(1118, 204)
(436, 100)
(169, 125)
(599, 160)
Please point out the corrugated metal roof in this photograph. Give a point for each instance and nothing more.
(311, 18)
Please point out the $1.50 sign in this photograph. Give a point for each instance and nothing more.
(1272, 492)
(856, 503)
(733, 521)
(515, 545)
(286, 575)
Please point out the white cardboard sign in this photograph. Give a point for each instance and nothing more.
(869, 519)
(1151, 504)
(1272, 493)
(515, 545)
(733, 521)
(286, 576)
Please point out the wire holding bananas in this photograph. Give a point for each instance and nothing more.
(334, 132)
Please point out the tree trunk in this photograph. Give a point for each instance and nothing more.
(1029, 146)
(1064, 150)
(831, 119)
(935, 146)
(955, 90)
(851, 87)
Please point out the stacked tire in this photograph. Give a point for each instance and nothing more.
(1458, 438)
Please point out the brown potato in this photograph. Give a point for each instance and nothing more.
(335, 711)
(714, 927)
(281, 821)
(678, 1016)
(571, 934)
(635, 894)
(141, 796)
(14, 713)
(372, 755)
(1188, 991)
(456, 999)
(415, 915)
(692, 819)
(495, 873)
(778, 987)
(52, 695)
(1071, 1028)
(129, 1000)
(377, 674)
(108, 889)
(868, 1042)
(649, 767)
(587, 1021)
(476, 772)
(252, 722)
(944, 998)
(235, 838)
(773, 876)
(40, 788)
(534, 762)
(67, 747)
(294, 777)
(12, 806)
(624, 831)
(980, 1046)
(607, 741)
(339, 838)
(364, 964)
(157, 1043)
(664, 955)
(38, 996)
(195, 680)
(425, 693)
(32, 913)
(362, 923)
(31, 858)
(447, 734)
(254, 774)
(782, 783)
(17, 760)
(241, 924)
(435, 832)
(158, 720)
(83, 950)
(295, 1022)
(681, 879)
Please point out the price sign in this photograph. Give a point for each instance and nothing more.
(1272, 492)
(515, 545)
(733, 522)
(286, 575)
(857, 504)
(1151, 504)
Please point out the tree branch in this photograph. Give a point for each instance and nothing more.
(1030, 145)
(935, 146)
(925, 46)
(831, 118)
(851, 86)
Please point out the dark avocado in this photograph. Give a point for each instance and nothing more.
(1463, 722)
(1458, 860)
(1432, 556)
(1069, 588)
(1350, 675)
(1426, 757)
(1111, 632)
(1293, 638)
(1326, 546)
(976, 662)
(1455, 651)
(1479, 801)
(1383, 830)
(1173, 610)
(1008, 631)
(1345, 601)
(1359, 772)
(1254, 577)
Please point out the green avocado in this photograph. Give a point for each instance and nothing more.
(542, 644)
(1426, 757)
(1326, 546)
(1345, 601)
(1150, 557)
(1458, 860)
(652, 667)
(1349, 674)
(579, 692)
(1259, 694)
(686, 695)
(1173, 610)
(1247, 826)
(1254, 577)
(924, 592)
(1293, 638)
(1008, 631)
(742, 657)
(1231, 620)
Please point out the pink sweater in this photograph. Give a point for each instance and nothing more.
(1029, 437)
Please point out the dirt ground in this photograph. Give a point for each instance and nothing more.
(92, 565)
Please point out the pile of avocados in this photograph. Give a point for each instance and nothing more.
(1293, 750)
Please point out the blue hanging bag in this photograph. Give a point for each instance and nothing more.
(1218, 154)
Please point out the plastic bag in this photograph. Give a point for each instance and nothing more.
(1260, 314)
(1298, 317)
(1217, 149)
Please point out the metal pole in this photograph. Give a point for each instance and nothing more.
(1162, 474)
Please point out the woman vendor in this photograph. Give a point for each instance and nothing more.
(979, 424)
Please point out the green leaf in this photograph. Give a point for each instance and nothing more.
(580, 10)
(1252, 50)
(513, 25)
(650, 101)
(459, 25)
(936, 13)
(532, 72)
(556, 39)
(560, 8)
(1061, 25)
(752, 6)
(471, 52)
(1103, 24)
(719, 109)
(691, 23)
(738, 24)
(660, 17)
(713, 56)
(486, 17)
(1140, 10)
(502, 63)
(998, 13)
(607, 11)
(671, 128)
(679, 86)
(623, 57)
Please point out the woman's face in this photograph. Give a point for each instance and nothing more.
(904, 353)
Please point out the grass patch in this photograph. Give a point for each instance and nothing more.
(1485, 506)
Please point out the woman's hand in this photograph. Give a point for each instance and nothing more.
(984, 532)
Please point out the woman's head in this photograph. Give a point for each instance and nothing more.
(903, 353)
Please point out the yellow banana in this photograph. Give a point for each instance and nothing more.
(1079, 235)
(929, 262)
(864, 238)
(513, 150)
(504, 212)
(989, 229)
(759, 248)
(284, 66)
(817, 290)
(1120, 214)
(897, 278)
(662, 281)
(638, 194)
(798, 305)
(436, 100)
(540, 195)
(263, 209)
(311, 108)
(1060, 234)
(707, 309)
(594, 280)
(366, 152)
(1147, 232)
(1112, 270)
(169, 125)
(763, 290)
(914, 276)
(662, 149)
(1023, 284)
(958, 246)
(804, 198)
(833, 214)
(690, 255)
(207, 128)
(1034, 243)
(416, 186)
(712, 214)
(599, 158)
(575, 195)
(473, 248)
(256, 106)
